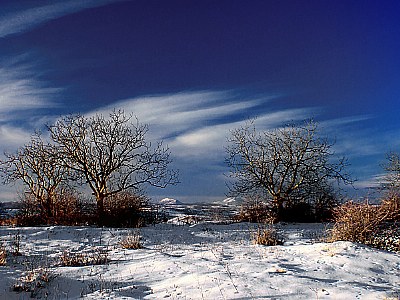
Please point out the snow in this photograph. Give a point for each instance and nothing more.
(170, 201)
(199, 261)
(229, 200)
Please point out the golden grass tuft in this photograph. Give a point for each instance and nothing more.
(132, 241)
(96, 257)
(267, 236)
(3, 256)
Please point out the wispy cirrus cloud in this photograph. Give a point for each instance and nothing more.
(21, 92)
(175, 109)
(175, 114)
(197, 124)
(209, 141)
(13, 137)
(24, 20)
(25, 101)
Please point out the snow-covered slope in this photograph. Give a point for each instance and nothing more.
(170, 201)
(229, 200)
(203, 261)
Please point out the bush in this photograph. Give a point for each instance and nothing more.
(302, 212)
(65, 210)
(70, 209)
(367, 223)
(125, 210)
(355, 222)
(256, 211)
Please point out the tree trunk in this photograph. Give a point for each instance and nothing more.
(100, 209)
(278, 208)
(47, 212)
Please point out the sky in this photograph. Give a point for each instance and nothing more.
(194, 70)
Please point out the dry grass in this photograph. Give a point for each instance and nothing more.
(267, 236)
(356, 222)
(3, 256)
(366, 223)
(132, 241)
(33, 282)
(96, 257)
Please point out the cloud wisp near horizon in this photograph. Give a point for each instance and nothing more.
(194, 70)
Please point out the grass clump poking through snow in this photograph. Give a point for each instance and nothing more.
(3, 256)
(75, 259)
(373, 225)
(267, 236)
(33, 282)
(132, 241)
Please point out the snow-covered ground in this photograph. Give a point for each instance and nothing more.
(201, 261)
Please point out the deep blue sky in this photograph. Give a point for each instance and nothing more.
(195, 69)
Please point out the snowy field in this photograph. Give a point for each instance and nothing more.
(201, 261)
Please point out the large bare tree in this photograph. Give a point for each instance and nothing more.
(111, 154)
(37, 166)
(287, 164)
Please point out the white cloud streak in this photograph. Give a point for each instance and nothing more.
(23, 98)
(197, 124)
(21, 91)
(25, 20)
(13, 137)
(209, 141)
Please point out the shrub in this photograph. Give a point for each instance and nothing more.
(391, 207)
(366, 223)
(132, 241)
(70, 209)
(66, 209)
(302, 212)
(388, 239)
(267, 236)
(256, 211)
(355, 222)
(127, 210)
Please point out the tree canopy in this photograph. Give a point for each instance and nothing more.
(287, 164)
(111, 153)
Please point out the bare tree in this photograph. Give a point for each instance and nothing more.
(391, 180)
(111, 154)
(288, 164)
(37, 166)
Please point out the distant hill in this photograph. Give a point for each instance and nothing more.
(10, 205)
(170, 201)
(229, 201)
